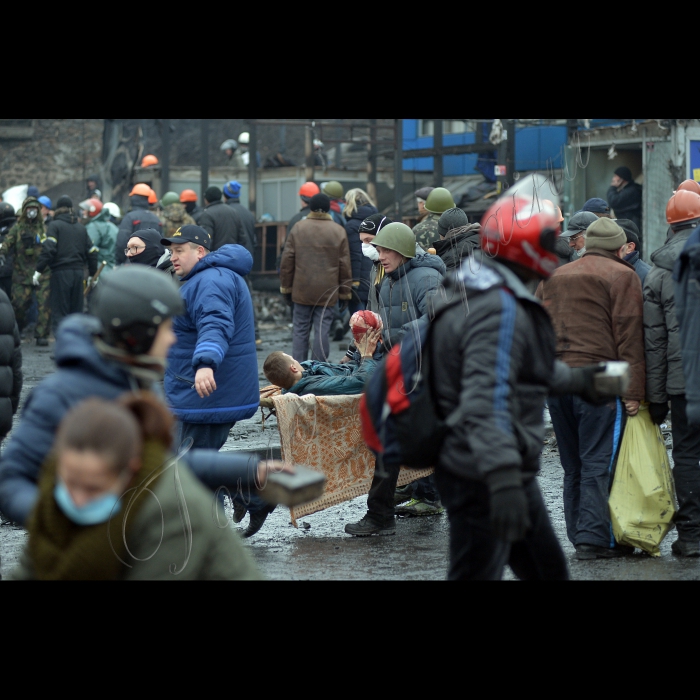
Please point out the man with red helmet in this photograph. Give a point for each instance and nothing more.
(666, 378)
(596, 307)
(307, 191)
(496, 375)
(103, 233)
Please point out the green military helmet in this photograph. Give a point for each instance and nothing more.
(397, 237)
(439, 201)
(170, 198)
(334, 190)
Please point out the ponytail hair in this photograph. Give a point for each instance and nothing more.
(154, 419)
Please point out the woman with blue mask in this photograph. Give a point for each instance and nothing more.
(115, 505)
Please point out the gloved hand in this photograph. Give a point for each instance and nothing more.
(510, 518)
(583, 383)
(658, 412)
(288, 299)
(36, 278)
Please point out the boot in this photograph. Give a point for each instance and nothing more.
(42, 343)
(257, 520)
(239, 512)
(686, 549)
(367, 528)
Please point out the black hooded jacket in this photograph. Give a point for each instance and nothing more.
(138, 219)
(68, 245)
(154, 249)
(224, 226)
(10, 366)
(459, 246)
(499, 369)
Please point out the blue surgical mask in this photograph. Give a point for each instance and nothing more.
(93, 513)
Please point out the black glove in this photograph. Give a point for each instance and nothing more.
(510, 518)
(658, 412)
(288, 299)
(583, 383)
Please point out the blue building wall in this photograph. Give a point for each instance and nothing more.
(536, 148)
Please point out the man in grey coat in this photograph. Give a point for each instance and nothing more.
(665, 376)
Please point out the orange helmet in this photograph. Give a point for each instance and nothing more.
(683, 209)
(690, 186)
(551, 204)
(188, 196)
(141, 190)
(148, 161)
(152, 197)
(309, 190)
(515, 230)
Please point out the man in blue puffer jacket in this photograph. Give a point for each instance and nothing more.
(212, 377)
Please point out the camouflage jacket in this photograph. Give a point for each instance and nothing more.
(25, 241)
(427, 232)
(174, 217)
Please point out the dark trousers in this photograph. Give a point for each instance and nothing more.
(589, 440)
(305, 318)
(477, 555)
(686, 471)
(66, 295)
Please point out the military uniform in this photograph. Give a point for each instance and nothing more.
(427, 232)
(175, 216)
(25, 241)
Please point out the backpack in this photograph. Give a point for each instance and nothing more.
(401, 423)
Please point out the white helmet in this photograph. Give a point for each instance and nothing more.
(318, 143)
(113, 210)
(244, 138)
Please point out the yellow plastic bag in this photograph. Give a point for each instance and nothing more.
(643, 501)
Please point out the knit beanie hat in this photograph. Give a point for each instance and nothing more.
(625, 173)
(605, 234)
(213, 194)
(452, 219)
(64, 203)
(320, 202)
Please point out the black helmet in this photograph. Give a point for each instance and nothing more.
(7, 211)
(131, 303)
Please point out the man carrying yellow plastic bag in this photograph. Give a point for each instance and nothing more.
(642, 501)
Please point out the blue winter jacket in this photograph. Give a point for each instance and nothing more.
(687, 295)
(217, 331)
(361, 265)
(84, 373)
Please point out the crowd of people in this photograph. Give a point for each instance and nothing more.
(164, 364)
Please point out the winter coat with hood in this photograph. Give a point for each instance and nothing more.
(225, 227)
(68, 245)
(662, 342)
(408, 294)
(82, 372)
(497, 364)
(140, 217)
(103, 233)
(361, 266)
(7, 268)
(217, 332)
(325, 379)
(597, 311)
(687, 297)
(24, 242)
(10, 365)
(459, 244)
(315, 267)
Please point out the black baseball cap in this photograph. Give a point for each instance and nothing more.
(189, 234)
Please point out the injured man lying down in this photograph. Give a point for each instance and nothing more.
(324, 378)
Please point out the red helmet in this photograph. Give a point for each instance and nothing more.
(690, 186)
(188, 196)
(309, 190)
(92, 207)
(520, 230)
(683, 208)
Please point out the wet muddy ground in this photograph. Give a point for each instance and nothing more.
(319, 549)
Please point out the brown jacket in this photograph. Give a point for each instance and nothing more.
(315, 267)
(597, 309)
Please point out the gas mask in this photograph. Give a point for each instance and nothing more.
(32, 214)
